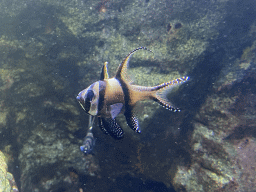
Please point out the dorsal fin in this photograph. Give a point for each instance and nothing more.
(104, 72)
(122, 69)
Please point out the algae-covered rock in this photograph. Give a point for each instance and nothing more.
(223, 140)
(7, 182)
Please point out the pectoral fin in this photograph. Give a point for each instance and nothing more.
(110, 126)
(115, 109)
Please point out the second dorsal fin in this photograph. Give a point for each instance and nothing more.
(121, 71)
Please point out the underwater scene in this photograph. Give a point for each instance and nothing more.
(127, 95)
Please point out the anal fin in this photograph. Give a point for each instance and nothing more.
(111, 127)
(132, 121)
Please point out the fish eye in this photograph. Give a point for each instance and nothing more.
(90, 95)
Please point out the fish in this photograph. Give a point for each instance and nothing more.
(109, 97)
(89, 140)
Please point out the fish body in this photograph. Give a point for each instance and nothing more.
(108, 97)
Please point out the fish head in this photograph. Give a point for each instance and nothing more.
(89, 98)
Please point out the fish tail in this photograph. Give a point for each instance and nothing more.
(160, 92)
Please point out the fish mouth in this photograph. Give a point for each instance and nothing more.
(78, 98)
(80, 101)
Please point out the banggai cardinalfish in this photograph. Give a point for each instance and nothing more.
(108, 97)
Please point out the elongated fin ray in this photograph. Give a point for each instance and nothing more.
(90, 124)
(104, 72)
(122, 69)
(163, 89)
(89, 140)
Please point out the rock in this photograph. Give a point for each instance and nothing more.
(7, 182)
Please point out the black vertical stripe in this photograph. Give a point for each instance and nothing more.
(130, 118)
(102, 88)
(126, 94)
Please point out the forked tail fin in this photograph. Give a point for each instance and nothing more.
(164, 88)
